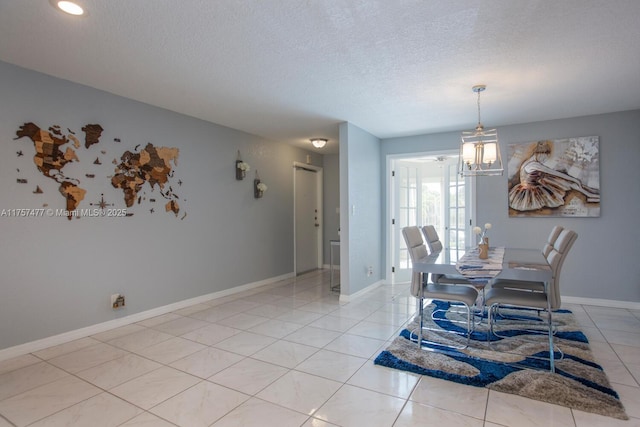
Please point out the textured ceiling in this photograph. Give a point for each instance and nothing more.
(289, 70)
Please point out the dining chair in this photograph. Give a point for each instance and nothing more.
(495, 298)
(433, 242)
(553, 236)
(435, 245)
(423, 290)
(562, 245)
(546, 300)
(529, 285)
(562, 241)
(432, 238)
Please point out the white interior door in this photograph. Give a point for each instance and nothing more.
(308, 230)
(426, 189)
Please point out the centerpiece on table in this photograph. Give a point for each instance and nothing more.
(483, 244)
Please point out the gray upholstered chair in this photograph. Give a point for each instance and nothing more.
(495, 298)
(433, 242)
(422, 289)
(528, 285)
(562, 242)
(551, 240)
(545, 300)
(432, 238)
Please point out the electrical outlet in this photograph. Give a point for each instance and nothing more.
(370, 271)
(117, 301)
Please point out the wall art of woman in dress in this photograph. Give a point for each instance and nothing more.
(544, 183)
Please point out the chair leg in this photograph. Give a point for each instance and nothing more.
(469, 324)
(490, 321)
(552, 367)
(479, 306)
(421, 315)
(492, 312)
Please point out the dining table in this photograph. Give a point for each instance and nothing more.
(514, 264)
(502, 263)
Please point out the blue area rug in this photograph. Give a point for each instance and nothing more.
(516, 362)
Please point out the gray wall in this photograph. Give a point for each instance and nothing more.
(58, 275)
(331, 202)
(602, 263)
(361, 209)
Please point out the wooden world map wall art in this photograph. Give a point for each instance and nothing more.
(58, 156)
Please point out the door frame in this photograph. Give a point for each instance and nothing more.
(319, 198)
(388, 227)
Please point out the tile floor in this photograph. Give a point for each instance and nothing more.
(287, 354)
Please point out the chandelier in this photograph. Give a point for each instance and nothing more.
(479, 150)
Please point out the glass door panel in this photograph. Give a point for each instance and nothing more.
(405, 214)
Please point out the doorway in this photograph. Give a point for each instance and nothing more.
(426, 189)
(307, 185)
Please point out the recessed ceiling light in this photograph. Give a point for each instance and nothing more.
(69, 7)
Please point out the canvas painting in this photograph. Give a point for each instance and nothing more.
(555, 178)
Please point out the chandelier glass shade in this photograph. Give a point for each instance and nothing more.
(319, 142)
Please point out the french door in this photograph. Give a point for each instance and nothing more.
(427, 189)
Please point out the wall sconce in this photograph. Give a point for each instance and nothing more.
(259, 187)
(241, 168)
(319, 142)
(479, 150)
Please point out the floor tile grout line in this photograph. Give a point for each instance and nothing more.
(386, 301)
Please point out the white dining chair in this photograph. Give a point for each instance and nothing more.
(435, 245)
(551, 240)
(530, 285)
(423, 290)
(546, 300)
(560, 248)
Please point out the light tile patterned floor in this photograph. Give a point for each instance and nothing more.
(286, 354)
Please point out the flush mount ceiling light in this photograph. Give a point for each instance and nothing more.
(68, 7)
(319, 142)
(479, 150)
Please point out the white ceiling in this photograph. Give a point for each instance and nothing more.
(289, 70)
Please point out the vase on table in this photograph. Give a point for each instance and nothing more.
(483, 250)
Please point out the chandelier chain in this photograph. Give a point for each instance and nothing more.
(479, 122)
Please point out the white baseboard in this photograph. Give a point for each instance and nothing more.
(348, 298)
(629, 305)
(598, 302)
(65, 337)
